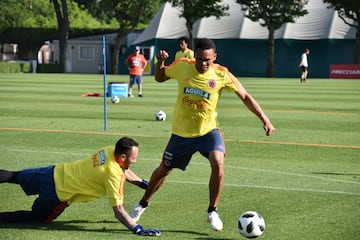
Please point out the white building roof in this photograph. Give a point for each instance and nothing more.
(320, 23)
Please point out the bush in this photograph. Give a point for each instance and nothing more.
(15, 67)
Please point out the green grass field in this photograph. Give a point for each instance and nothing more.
(304, 180)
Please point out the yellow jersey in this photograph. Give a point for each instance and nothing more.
(188, 53)
(196, 108)
(85, 180)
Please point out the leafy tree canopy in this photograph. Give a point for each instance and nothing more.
(192, 10)
(128, 14)
(346, 8)
(273, 13)
(349, 9)
(41, 14)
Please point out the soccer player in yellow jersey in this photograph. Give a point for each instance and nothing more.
(101, 174)
(195, 127)
(185, 51)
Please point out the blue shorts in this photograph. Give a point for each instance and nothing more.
(179, 150)
(41, 181)
(135, 79)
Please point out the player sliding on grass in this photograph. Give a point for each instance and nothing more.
(102, 173)
(195, 126)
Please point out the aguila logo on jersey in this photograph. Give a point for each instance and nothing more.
(196, 92)
(211, 83)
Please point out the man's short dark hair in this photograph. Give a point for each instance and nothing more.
(185, 39)
(205, 43)
(125, 145)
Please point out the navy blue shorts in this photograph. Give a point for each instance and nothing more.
(135, 79)
(304, 69)
(40, 181)
(179, 150)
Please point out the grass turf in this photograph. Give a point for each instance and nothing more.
(304, 180)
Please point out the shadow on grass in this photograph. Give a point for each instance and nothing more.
(75, 225)
(337, 174)
(63, 226)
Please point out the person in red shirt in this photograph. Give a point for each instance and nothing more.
(136, 63)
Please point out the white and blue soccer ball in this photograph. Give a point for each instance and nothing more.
(251, 224)
(115, 99)
(160, 115)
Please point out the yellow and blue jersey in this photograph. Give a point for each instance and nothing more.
(196, 109)
(85, 180)
(188, 53)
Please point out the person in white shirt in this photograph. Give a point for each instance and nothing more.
(304, 65)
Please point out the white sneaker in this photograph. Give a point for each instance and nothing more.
(215, 221)
(136, 212)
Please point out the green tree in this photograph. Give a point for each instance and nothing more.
(273, 14)
(26, 13)
(42, 14)
(62, 18)
(96, 9)
(349, 10)
(63, 23)
(130, 15)
(193, 10)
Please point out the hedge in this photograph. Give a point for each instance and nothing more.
(15, 67)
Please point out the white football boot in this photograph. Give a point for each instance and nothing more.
(215, 221)
(136, 212)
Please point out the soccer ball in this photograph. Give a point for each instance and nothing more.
(115, 99)
(160, 116)
(251, 224)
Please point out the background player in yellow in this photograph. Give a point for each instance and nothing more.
(195, 126)
(185, 51)
(101, 174)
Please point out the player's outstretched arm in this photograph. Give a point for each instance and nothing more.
(253, 106)
(132, 178)
(125, 219)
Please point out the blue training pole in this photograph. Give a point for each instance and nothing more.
(104, 69)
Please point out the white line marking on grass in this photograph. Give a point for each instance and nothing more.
(293, 143)
(271, 187)
(200, 164)
(152, 136)
(282, 173)
(292, 174)
(44, 152)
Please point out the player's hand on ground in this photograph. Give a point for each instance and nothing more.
(139, 230)
(150, 232)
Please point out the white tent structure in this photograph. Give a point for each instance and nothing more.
(242, 44)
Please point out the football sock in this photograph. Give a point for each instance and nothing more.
(143, 203)
(8, 176)
(211, 209)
